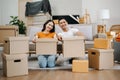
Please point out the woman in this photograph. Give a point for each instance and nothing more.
(48, 31)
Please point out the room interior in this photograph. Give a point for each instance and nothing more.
(96, 19)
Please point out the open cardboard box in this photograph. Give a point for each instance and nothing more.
(74, 47)
(46, 46)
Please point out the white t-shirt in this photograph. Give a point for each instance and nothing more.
(70, 33)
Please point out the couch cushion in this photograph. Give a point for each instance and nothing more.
(32, 30)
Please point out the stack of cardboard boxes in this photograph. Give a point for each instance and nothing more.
(101, 56)
(14, 57)
(75, 47)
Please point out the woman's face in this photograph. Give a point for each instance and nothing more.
(49, 26)
(63, 24)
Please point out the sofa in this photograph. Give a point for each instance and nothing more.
(86, 29)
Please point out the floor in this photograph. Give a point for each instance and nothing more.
(64, 73)
(33, 65)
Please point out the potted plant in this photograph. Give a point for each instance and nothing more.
(19, 23)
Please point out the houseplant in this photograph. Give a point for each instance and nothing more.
(19, 23)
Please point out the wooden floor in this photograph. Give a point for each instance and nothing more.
(66, 75)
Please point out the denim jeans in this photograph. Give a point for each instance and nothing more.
(46, 61)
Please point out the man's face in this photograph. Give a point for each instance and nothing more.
(63, 24)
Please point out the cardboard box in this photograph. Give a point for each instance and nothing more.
(102, 43)
(101, 58)
(74, 47)
(15, 65)
(16, 45)
(80, 66)
(56, 21)
(7, 31)
(38, 19)
(46, 46)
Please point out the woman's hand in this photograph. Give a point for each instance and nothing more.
(59, 38)
(34, 39)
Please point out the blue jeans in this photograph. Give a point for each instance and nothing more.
(46, 61)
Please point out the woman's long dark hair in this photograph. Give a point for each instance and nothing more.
(44, 26)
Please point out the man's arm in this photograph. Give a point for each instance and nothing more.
(58, 37)
(78, 33)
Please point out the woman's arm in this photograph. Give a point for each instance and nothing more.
(34, 39)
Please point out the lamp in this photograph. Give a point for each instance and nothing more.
(104, 15)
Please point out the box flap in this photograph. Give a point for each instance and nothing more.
(14, 57)
(17, 38)
(74, 38)
(8, 27)
(46, 40)
(101, 50)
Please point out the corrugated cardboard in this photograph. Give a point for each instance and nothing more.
(15, 65)
(101, 58)
(56, 21)
(7, 31)
(74, 47)
(16, 45)
(46, 46)
(102, 43)
(80, 66)
(38, 19)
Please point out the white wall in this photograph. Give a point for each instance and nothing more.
(59, 7)
(0, 12)
(9, 8)
(94, 7)
(63, 7)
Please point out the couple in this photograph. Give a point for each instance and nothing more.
(48, 31)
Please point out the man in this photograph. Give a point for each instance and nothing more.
(66, 32)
